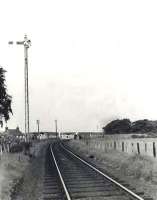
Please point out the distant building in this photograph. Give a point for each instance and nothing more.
(43, 135)
(67, 135)
(51, 134)
(13, 132)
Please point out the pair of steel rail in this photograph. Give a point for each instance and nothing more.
(126, 190)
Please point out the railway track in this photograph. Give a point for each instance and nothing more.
(69, 177)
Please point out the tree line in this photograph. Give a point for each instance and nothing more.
(125, 126)
(5, 99)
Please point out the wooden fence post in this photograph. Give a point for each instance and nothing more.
(132, 147)
(154, 150)
(145, 147)
(138, 148)
(114, 144)
(123, 146)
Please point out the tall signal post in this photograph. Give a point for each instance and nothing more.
(26, 43)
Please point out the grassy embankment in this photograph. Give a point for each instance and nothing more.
(139, 171)
(12, 170)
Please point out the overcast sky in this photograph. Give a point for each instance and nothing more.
(91, 61)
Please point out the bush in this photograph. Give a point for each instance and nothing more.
(16, 148)
(24, 146)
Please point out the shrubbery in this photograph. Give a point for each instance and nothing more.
(24, 146)
(16, 148)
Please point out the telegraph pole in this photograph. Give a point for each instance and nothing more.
(56, 127)
(38, 123)
(26, 43)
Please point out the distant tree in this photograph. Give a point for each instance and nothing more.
(5, 99)
(118, 126)
(142, 126)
